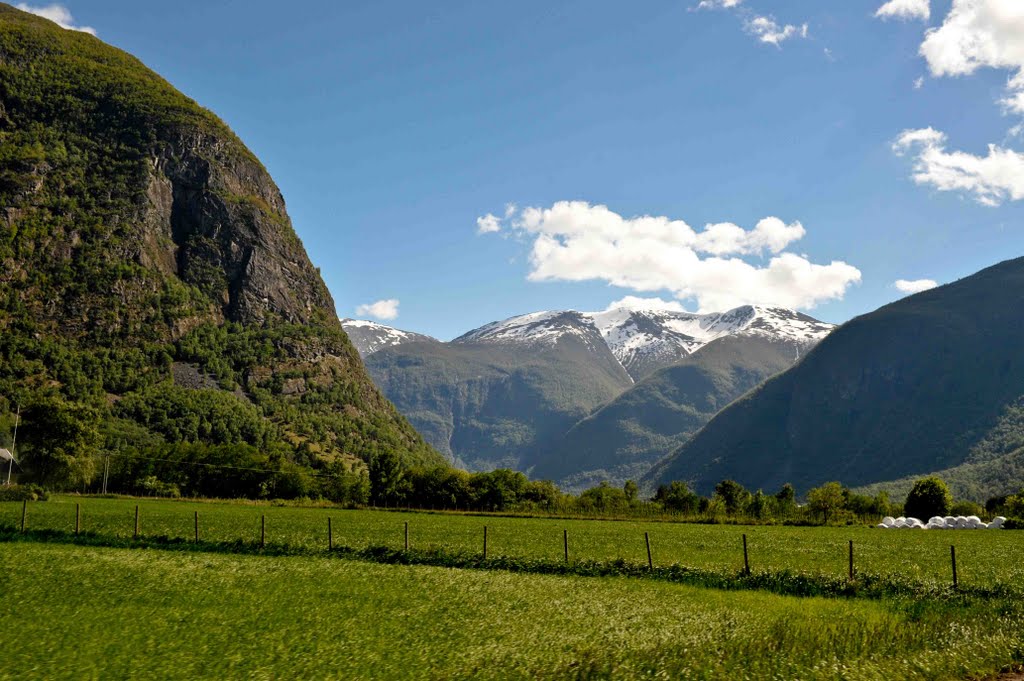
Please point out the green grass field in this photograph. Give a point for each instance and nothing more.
(73, 612)
(984, 557)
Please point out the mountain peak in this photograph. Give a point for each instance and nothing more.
(646, 340)
(369, 336)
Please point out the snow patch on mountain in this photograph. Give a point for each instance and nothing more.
(369, 337)
(641, 339)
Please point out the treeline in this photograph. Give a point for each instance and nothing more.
(272, 471)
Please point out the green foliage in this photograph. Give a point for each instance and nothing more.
(928, 497)
(676, 496)
(827, 500)
(735, 497)
(27, 492)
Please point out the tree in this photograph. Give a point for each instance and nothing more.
(60, 440)
(928, 497)
(734, 495)
(632, 490)
(676, 496)
(385, 477)
(826, 500)
(785, 499)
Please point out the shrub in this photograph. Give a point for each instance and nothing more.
(22, 493)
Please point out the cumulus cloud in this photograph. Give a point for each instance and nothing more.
(919, 82)
(978, 34)
(991, 179)
(637, 303)
(577, 241)
(767, 30)
(382, 309)
(914, 285)
(58, 14)
(905, 9)
(488, 224)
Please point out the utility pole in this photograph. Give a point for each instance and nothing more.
(106, 469)
(14, 445)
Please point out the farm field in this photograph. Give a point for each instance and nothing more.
(984, 556)
(125, 613)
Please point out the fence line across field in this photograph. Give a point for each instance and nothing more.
(136, 534)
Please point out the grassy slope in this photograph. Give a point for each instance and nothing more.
(91, 305)
(125, 613)
(904, 390)
(625, 437)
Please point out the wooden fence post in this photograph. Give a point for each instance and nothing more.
(24, 513)
(746, 559)
(330, 535)
(565, 543)
(952, 555)
(851, 560)
(406, 536)
(78, 518)
(650, 561)
(136, 521)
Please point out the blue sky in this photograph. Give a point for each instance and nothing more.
(391, 127)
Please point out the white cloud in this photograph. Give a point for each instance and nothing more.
(637, 303)
(382, 309)
(719, 4)
(905, 9)
(58, 14)
(915, 285)
(577, 241)
(978, 34)
(919, 82)
(489, 223)
(767, 30)
(992, 179)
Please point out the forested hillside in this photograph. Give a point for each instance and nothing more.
(929, 383)
(152, 289)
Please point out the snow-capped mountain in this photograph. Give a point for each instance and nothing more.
(369, 337)
(646, 340)
(538, 329)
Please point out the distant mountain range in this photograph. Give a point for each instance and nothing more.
(580, 397)
(931, 383)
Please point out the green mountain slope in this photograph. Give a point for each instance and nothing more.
(150, 277)
(488, 405)
(624, 438)
(914, 387)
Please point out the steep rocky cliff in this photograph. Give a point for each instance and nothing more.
(139, 235)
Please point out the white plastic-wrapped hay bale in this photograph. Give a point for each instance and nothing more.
(974, 522)
(883, 526)
(961, 522)
(888, 521)
(934, 524)
(950, 522)
(997, 523)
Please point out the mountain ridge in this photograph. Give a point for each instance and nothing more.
(908, 389)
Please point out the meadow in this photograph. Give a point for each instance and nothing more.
(73, 612)
(984, 557)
